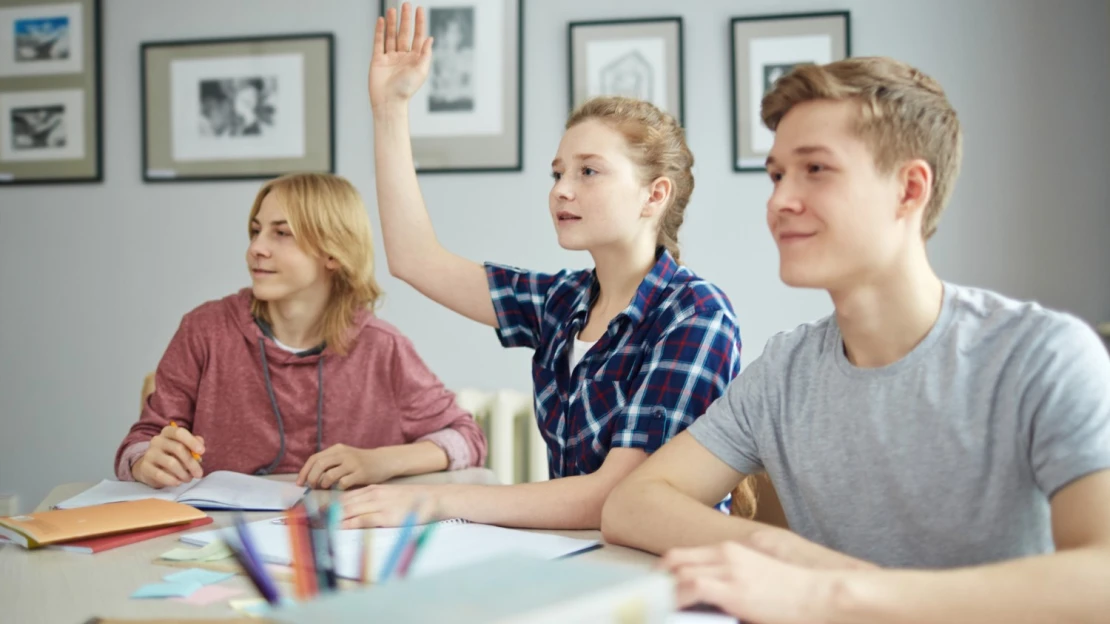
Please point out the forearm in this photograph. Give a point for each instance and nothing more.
(651, 515)
(413, 459)
(1069, 586)
(407, 232)
(564, 503)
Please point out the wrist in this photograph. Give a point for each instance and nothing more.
(391, 111)
(841, 597)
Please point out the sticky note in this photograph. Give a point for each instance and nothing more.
(166, 590)
(212, 552)
(210, 594)
(197, 575)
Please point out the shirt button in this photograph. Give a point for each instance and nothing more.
(659, 412)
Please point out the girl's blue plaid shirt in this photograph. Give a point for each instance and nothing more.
(658, 366)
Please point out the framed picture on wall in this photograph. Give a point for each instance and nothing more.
(763, 49)
(50, 92)
(640, 58)
(236, 109)
(468, 116)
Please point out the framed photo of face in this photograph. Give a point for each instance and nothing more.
(639, 58)
(764, 48)
(50, 92)
(468, 116)
(237, 109)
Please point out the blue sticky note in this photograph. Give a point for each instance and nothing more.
(166, 590)
(197, 575)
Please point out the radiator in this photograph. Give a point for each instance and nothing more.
(517, 453)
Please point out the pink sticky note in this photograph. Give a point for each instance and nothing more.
(209, 594)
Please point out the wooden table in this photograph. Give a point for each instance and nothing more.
(69, 588)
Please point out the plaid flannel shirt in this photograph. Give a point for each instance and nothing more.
(658, 366)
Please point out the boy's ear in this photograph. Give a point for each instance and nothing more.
(915, 181)
(659, 191)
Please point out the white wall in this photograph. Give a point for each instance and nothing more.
(94, 279)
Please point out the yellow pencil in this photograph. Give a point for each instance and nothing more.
(367, 576)
(194, 453)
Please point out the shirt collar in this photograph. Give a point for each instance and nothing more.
(647, 294)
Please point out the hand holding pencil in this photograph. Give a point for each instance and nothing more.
(172, 459)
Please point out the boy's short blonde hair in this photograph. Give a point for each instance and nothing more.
(903, 114)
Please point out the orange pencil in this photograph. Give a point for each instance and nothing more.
(194, 453)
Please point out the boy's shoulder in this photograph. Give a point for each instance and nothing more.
(986, 321)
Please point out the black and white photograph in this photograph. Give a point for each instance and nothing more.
(239, 108)
(773, 71)
(42, 125)
(467, 116)
(235, 107)
(42, 39)
(38, 127)
(452, 71)
(640, 58)
(764, 49)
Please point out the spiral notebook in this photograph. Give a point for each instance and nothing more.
(455, 543)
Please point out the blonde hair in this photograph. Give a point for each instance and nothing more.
(903, 114)
(328, 220)
(658, 145)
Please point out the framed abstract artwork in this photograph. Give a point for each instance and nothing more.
(234, 109)
(640, 58)
(763, 49)
(50, 92)
(468, 116)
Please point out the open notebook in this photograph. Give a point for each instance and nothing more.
(455, 543)
(219, 490)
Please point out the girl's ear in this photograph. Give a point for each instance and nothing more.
(331, 264)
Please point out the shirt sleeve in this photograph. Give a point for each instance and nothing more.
(689, 367)
(1066, 398)
(519, 298)
(726, 428)
(429, 410)
(176, 384)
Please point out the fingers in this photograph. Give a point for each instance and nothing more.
(404, 41)
(182, 465)
(677, 558)
(185, 437)
(390, 30)
(379, 37)
(323, 463)
(333, 474)
(708, 588)
(157, 461)
(420, 33)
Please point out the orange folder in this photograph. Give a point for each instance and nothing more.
(64, 525)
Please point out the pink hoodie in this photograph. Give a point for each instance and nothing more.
(225, 380)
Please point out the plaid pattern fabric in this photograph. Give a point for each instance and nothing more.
(658, 366)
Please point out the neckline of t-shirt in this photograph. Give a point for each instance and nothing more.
(943, 322)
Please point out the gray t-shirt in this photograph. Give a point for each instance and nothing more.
(945, 458)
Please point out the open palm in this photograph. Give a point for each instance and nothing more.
(399, 65)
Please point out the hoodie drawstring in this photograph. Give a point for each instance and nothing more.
(277, 412)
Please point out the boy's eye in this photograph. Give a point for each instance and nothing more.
(587, 171)
(816, 168)
(775, 175)
(556, 175)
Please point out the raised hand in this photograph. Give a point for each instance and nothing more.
(399, 64)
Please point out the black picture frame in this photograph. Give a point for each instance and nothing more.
(669, 28)
(486, 152)
(56, 85)
(164, 132)
(836, 25)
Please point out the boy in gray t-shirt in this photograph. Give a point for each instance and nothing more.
(951, 432)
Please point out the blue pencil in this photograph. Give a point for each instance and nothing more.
(247, 556)
(399, 547)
